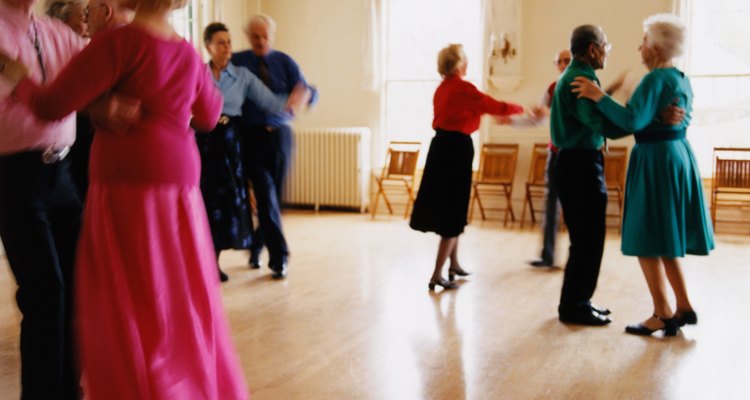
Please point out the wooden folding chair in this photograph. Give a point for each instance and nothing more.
(615, 170)
(497, 168)
(730, 184)
(398, 174)
(536, 183)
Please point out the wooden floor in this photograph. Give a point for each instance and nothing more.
(354, 320)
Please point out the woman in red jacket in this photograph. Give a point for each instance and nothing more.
(443, 199)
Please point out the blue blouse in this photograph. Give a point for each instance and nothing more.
(238, 83)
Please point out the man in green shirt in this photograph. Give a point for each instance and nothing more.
(579, 130)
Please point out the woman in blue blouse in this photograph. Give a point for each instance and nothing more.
(665, 216)
(223, 177)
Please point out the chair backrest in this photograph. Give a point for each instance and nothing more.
(616, 166)
(497, 164)
(731, 168)
(538, 168)
(401, 160)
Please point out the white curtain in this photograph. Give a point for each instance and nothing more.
(372, 47)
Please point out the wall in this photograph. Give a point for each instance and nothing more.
(327, 37)
(546, 28)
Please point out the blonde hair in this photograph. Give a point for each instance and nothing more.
(449, 59)
(666, 34)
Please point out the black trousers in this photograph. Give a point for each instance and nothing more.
(268, 153)
(583, 196)
(40, 214)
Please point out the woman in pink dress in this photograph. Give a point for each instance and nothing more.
(148, 308)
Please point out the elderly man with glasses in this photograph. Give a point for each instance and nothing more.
(578, 131)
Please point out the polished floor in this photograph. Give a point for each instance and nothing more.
(354, 320)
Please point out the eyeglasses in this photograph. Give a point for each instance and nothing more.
(606, 46)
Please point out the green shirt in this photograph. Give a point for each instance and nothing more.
(576, 123)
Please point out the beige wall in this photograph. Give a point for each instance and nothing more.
(326, 37)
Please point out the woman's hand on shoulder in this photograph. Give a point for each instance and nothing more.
(584, 87)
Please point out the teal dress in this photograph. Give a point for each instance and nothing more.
(665, 214)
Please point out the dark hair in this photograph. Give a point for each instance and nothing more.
(212, 28)
(582, 37)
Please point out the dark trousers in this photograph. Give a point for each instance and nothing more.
(40, 215)
(583, 196)
(269, 153)
(551, 209)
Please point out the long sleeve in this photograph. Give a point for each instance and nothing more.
(261, 95)
(589, 115)
(207, 106)
(485, 104)
(97, 65)
(640, 109)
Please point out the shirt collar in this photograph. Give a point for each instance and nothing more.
(231, 70)
(581, 65)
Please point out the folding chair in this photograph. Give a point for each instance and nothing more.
(398, 174)
(497, 168)
(615, 169)
(730, 184)
(536, 182)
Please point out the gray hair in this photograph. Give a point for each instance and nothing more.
(449, 59)
(666, 34)
(60, 9)
(262, 19)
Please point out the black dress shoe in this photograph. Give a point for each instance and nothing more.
(601, 310)
(686, 318)
(585, 317)
(254, 264)
(539, 262)
(670, 327)
(279, 272)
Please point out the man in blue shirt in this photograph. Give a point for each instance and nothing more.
(269, 139)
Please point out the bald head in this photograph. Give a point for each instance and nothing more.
(562, 59)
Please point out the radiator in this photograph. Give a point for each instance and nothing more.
(330, 168)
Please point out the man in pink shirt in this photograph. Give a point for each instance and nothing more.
(40, 210)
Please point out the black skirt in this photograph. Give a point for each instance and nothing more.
(442, 203)
(224, 187)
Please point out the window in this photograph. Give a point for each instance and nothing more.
(718, 63)
(416, 30)
(186, 22)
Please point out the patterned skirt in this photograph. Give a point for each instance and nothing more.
(224, 188)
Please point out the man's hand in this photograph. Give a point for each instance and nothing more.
(298, 99)
(115, 113)
(12, 70)
(672, 115)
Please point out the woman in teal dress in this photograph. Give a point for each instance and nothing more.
(665, 216)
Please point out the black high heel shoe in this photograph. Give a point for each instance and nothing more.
(686, 318)
(670, 327)
(441, 282)
(452, 273)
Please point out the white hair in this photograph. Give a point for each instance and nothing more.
(262, 19)
(665, 33)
